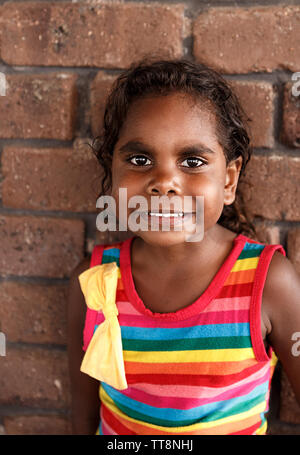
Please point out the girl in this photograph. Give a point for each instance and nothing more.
(183, 336)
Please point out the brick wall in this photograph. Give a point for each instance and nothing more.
(59, 60)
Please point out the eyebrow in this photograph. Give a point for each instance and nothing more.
(136, 146)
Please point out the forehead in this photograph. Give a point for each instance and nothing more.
(171, 114)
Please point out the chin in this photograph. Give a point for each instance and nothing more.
(165, 238)
(172, 233)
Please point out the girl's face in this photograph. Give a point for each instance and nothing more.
(168, 147)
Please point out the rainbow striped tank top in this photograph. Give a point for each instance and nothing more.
(202, 370)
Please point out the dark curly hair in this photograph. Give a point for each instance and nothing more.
(162, 77)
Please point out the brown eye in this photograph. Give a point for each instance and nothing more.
(193, 162)
(139, 160)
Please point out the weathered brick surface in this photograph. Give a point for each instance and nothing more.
(35, 377)
(37, 425)
(51, 178)
(290, 133)
(32, 313)
(257, 100)
(242, 40)
(98, 92)
(39, 106)
(36, 246)
(293, 246)
(289, 408)
(106, 34)
(271, 187)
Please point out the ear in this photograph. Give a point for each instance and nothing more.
(232, 177)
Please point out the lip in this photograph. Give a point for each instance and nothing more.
(174, 218)
(169, 214)
(166, 214)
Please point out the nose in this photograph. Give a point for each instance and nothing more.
(163, 182)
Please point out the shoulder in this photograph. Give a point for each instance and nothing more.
(75, 295)
(282, 288)
(281, 273)
(81, 267)
(281, 304)
(76, 307)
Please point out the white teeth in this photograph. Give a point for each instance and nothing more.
(166, 215)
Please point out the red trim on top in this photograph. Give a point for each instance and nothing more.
(90, 317)
(97, 253)
(193, 309)
(256, 301)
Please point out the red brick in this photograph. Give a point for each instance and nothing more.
(289, 408)
(257, 100)
(33, 313)
(51, 178)
(38, 106)
(290, 133)
(271, 187)
(293, 247)
(106, 34)
(35, 377)
(40, 246)
(37, 424)
(99, 91)
(242, 40)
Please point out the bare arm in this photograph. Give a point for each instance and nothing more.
(84, 389)
(281, 302)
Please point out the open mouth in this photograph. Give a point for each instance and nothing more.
(172, 218)
(170, 214)
(166, 214)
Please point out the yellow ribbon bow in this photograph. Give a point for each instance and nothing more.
(103, 359)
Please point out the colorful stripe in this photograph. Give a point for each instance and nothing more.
(189, 375)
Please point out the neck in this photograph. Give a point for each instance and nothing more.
(189, 254)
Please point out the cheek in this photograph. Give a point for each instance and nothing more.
(125, 182)
(124, 186)
(214, 201)
(210, 186)
(213, 191)
(118, 178)
(122, 177)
